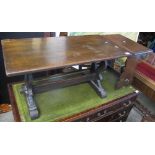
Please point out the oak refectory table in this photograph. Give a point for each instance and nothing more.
(27, 56)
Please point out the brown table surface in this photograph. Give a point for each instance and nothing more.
(128, 44)
(31, 55)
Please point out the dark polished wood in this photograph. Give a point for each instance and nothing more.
(145, 85)
(23, 56)
(128, 44)
(126, 77)
(13, 104)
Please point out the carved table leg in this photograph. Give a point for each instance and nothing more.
(28, 91)
(96, 84)
(99, 89)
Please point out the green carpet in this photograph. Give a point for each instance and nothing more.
(60, 103)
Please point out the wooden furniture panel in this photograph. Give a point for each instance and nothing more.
(144, 87)
(128, 44)
(13, 104)
(33, 55)
(144, 77)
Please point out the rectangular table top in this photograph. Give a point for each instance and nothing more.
(22, 56)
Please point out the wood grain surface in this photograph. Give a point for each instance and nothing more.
(22, 56)
(128, 44)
